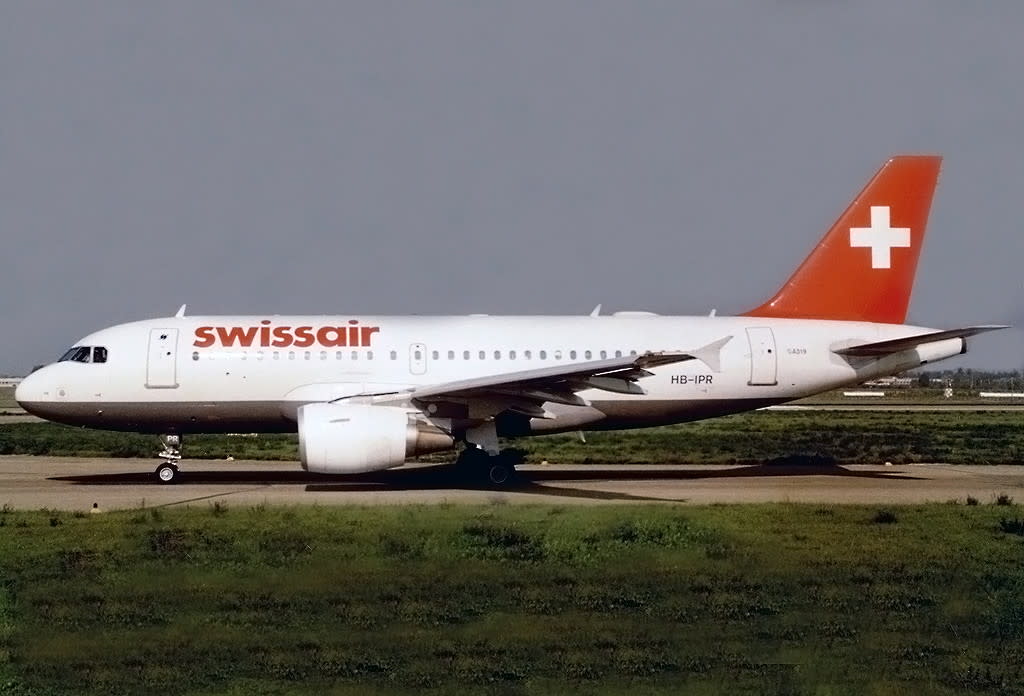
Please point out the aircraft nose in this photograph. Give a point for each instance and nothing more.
(25, 391)
(34, 390)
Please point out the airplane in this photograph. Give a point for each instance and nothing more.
(365, 393)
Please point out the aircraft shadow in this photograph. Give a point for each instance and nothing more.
(534, 481)
(418, 479)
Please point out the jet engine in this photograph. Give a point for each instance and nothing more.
(356, 438)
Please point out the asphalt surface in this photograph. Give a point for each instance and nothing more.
(77, 483)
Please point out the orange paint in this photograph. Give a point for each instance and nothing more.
(863, 269)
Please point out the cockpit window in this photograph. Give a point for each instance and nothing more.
(99, 354)
(77, 354)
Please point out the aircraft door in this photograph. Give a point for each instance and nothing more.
(162, 361)
(763, 359)
(418, 359)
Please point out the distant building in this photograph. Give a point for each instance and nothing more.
(891, 382)
(10, 381)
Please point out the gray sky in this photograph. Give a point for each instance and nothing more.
(519, 157)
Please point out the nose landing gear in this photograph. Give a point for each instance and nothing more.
(167, 472)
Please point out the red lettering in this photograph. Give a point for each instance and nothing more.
(331, 336)
(303, 337)
(266, 335)
(368, 332)
(282, 337)
(245, 337)
(204, 337)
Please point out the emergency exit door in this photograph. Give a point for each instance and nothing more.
(418, 359)
(763, 359)
(162, 362)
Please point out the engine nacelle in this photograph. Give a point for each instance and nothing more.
(356, 438)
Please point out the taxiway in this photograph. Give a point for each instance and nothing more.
(78, 483)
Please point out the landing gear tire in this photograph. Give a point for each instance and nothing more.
(496, 470)
(500, 473)
(167, 473)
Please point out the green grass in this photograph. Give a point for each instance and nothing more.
(918, 396)
(850, 437)
(519, 600)
(65, 441)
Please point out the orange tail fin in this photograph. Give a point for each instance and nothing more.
(863, 269)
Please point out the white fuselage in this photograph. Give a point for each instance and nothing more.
(237, 373)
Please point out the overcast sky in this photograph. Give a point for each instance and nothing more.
(518, 157)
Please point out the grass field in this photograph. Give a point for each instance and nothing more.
(851, 437)
(520, 600)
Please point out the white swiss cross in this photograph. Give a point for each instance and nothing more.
(881, 237)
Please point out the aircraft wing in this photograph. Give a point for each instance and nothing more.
(525, 391)
(880, 348)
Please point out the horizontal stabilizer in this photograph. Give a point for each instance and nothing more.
(896, 345)
(711, 354)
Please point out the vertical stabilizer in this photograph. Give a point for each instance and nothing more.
(863, 269)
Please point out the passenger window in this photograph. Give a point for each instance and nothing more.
(618, 354)
(497, 355)
(451, 355)
(527, 354)
(586, 354)
(323, 355)
(604, 354)
(394, 355)
(511, 355)
(465, 355)
(558, 355)
(355, 355)
(483, 355)
(543, 355)
(337, 355)
(369, 355)
(99, 354)
(417, 355)
(195, 355)
(572, 355)
(307, 355)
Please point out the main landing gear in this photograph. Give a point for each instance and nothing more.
(481, 457)
(167, 472)
(498, 470)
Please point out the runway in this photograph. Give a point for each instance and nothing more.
(78, 483)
